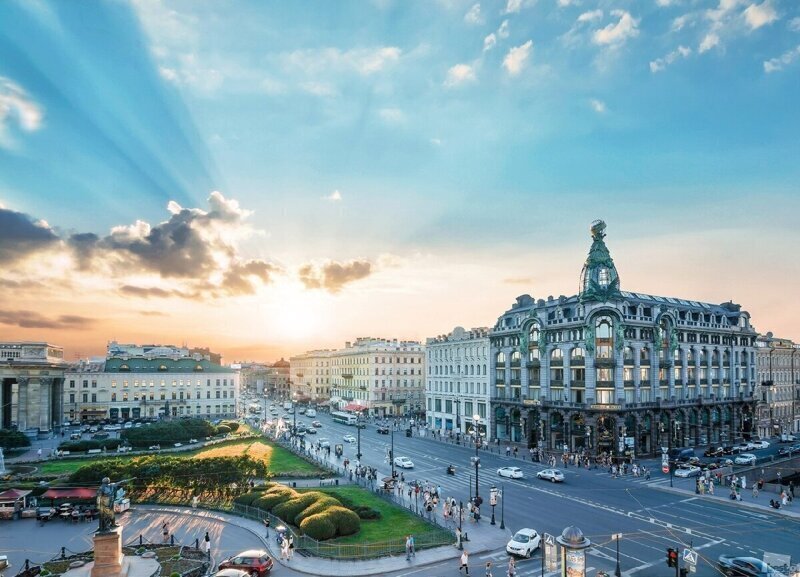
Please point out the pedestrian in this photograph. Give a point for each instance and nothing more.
(458, 537)
(791, 488)
(284, 548)
(463, 562)
(488, 569)
(291, 546)
(39, 454)
(512, 567)
(413, 546)
(744, 482)
(755, 491)
(711, 487)
(165, 531)
(207, 545)
(266, 527)
(408, 548)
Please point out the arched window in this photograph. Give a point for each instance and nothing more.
(644, 356)
(515, 358)
(604, 338)
(577, 354)
(533, 336)
(500, 359)
(627, 355)
(556, 355)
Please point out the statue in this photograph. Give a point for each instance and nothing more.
(523, 344)
(658, 338)
(589, 340)
(107, 493)
(542, 341)
(619, 337)
(673, 341)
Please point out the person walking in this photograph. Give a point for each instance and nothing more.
(408, 548)
(291, 546)
(207, 545)
(165, 531)
(458, 537)
(285, 549)
(755, 490)
(512, 567)
(463, 562)
(488, 569)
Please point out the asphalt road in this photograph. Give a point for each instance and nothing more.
(650, 519)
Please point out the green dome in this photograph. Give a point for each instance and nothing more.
(599, 278)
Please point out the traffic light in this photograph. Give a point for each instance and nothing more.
(672, 557)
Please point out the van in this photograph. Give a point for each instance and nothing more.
(311, 413)
(680, 455)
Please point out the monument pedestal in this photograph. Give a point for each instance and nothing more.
(108, 558)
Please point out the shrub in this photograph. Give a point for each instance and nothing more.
(365, 512)
(291, 508)
(345, 521)
(319, 506)
(274, 497)
(247, 498)
(318, 527)
(223, 430)
(87, 444)
(168, 432)
(232, 425)
(12, 439)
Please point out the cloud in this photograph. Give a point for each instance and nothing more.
(616, 34)
(319, 88)
(489, 42)
(363, 61)
(335, 196)
(598, 106)
(776, 64)
(503, 32)
(681, 21)
(709, 41)
(17, 107)
(436, 141)
(660, 64)
(794, 24)
(21, 236)
(517, 58)
(151, 292)
(459, 75)
(591, 16)
(242, 278)
(513, 6)
(666, 3)
(34, 320)
(332, 276)
(758, 15)
(153, 314)
(391, 115)
(565, 3)
(473, 15)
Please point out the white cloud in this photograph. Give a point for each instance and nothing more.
(681, 21)
(517, 58)
(591, 16)
(364, 61)
(776, 64)
(598, 106)
(616, 34)
(459, 74)
(513, 6)
(16, 106)
(565, 3)
(666, 3)
(794, 24)
(318, 88)
(758, 15)
(502, 32)
(489, 42)
(473, 15)
(660, 64)
(709, 41)
(434, 141)
(191, 71)
(392, 115)
(335, 196)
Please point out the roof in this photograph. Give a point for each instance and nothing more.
(13, 494)
(71, 493)
(163, 365)
(354, 407)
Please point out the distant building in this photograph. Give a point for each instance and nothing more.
(278, 380)
(457, 382)
(31, 381)
(778, 363)
(310, 376)
(116, 349)
(253, 377)
(379, 376)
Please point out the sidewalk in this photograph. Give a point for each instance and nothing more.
(483, 538)
(760, 503)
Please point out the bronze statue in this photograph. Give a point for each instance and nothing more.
(107, 493)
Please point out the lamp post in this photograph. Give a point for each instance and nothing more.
(475, 418)
(391, 453)
(358, 432)
(460, 519)
(294, 415)
(502, 506)
(617, 537)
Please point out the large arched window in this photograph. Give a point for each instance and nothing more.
(501, 359)
(576, 355)
(604, 337)
(533, 336)
(515, 358)
(557, 356)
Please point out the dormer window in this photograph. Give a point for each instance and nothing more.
(162, 368)
(603, 277)
(198, 368)
(124, 367)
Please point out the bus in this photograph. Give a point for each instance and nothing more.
(344, 418)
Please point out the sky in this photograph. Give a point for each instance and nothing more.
(268, 178)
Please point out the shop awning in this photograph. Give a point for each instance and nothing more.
(354, 407)
(13, 495)
(71, 493)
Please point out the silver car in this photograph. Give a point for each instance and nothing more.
(552, 475)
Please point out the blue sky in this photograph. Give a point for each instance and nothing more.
(441, 132)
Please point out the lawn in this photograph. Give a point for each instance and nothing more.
(395, 522)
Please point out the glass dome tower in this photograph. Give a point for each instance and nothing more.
(599, 278)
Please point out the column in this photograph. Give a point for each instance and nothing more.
(637, 373)
(655, 364)
(698, 364)
(710, 365)
(591, 379)
(671, 378)
(544, 372)
(684, 367)
(22, 403)
(566, 351)
(44, 422)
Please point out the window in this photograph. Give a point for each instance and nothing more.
(603, 277)
(113, 397)
(604, 375)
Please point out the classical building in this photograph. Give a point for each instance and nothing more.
(279, 379)
(778, 363)
(457, 381)
(379, 376)
(613, 371)
(31, 380)
(133, 350)
(253, 376)
(310, 376)
(153, 385)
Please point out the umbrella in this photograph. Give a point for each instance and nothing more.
(387, 480)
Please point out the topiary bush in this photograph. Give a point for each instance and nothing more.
(365, 512)
(13, 439)
(274, 497)
(319, 506)
(232, 425)
(86, 444)
(318, 527)
(223, 430)
(345, 520)
(247, 498)
(291, 508)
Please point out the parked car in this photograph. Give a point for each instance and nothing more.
(745, 459)
(740, 448)
(154, 447)
(552, 475)
(745, 567)
(316, 424)
(687, 471)
(510, 472)
(383, 430)
(403, 463)
(524, 543)
(786, 438)
(713, 452)
(256, 562)
(231, 573)
(678, 454)
(75, 436)
(45, 513)
(324, 442)
(760, 444)
(311, 431)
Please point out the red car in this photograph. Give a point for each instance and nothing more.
(256, 562)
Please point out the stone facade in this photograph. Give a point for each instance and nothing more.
(457, 382)
(778, 363)
(615, 372)
(310, 376)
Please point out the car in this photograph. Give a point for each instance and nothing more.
(727, 450)
(552, 475)
(740, 448)
(101, 436)
(524, 543)
(232, 573)
(154, 447)
(128, 425)
(256, 562)
(311, 431)
(75, 436)
(178, 445)
(45, 513)
(93, 429)
(124, 449)
(349, 439)
(787, 438)
(324, 443)
(510, 472)
(745, 459)
(403, 463)
(687, 471)
(302, 410)
(316, 424)
(760, 444)
(361, 425)
(714, 452)
(694, 461)
(745, 567)
(383, 430)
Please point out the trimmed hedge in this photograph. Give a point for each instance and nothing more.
(87, 444)
(289, 510)
(345, 521)
(13, 439)
(318, 527)
(247, 498)
(320, 506)
(274, 497)
(168, 432)
(365, 512)
(223, 429)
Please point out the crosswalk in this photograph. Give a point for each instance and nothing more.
(525, 567)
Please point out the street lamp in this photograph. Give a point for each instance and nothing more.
(617, 537)
(503, 506)
(294, 415)
(358, 432)
(391, 452)
(475, 418)
(493, 501)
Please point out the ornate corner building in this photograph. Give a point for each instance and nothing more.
(621, 373)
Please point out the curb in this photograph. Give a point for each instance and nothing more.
(739, 504)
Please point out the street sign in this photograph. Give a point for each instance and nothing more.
(549, 539)
(690, 556)
(665, 468)
(550, 552)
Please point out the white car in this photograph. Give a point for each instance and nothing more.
(349, 439)
(403, 463)
(523, 543)
(324, 443)
(687, 471)
(553, 475)
(745, 459)
(510, 472)
(760, 444)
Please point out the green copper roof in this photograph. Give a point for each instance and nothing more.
(599, 278)
(162, 365)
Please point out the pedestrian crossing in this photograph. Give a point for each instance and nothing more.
(525, 567)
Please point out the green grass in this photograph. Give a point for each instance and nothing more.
(395, 522)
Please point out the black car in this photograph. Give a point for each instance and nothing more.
(45, 513)
(361, 426)
(714, 452)
(383, 430)
(745, 567)
(727, 450)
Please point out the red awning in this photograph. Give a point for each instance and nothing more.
(354, 407)
(71, 493)
(13, 495)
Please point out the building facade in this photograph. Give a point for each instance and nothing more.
(457, 382)
(279, 380)
(778, 363)
(615, 372)
(310, 376)
(253, 377)
(379, 376)
(124, 387)
(31, 382)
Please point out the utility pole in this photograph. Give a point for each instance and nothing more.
(358, 429)
(391, 453)
(617, 571)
